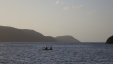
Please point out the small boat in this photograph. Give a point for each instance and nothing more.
(48, 48)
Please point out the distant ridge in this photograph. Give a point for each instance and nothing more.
(11, 34)
(67, 39)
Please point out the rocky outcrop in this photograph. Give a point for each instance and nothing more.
(109, 40)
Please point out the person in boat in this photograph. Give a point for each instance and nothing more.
(46, 48)
(51, 48)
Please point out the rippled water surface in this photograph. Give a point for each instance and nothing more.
(61, 54)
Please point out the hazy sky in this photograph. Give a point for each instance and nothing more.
(86, 20)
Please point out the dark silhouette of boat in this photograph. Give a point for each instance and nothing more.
(48, 48)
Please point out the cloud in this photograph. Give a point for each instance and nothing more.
(73, 7)
(59, 2)
(66, 6)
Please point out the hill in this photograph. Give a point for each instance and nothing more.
(67, 39)
(110, 40)
(11, 34)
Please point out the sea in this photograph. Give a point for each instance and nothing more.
(88, 53)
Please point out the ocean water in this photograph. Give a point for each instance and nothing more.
(61, 54)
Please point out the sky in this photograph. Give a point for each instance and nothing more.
(86, 20)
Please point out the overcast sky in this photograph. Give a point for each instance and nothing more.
(86, 20)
